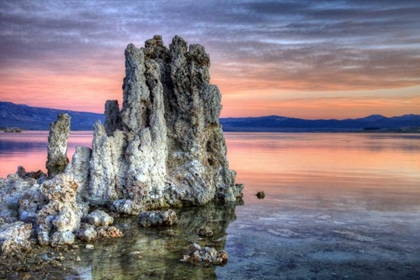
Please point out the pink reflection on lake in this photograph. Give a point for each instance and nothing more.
(343, 170)
(380, 171)
(29, 149)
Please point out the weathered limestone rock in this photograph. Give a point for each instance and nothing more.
(14, 192)
(109, 232)
(196, 254)
(62, 214)
(87, 233)
(157, 218)
(14, 238)
(100, 218)
(165, 145)
(57, 145)
(79, 168)
(126, 207)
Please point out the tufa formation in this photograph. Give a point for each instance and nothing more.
(165, 145)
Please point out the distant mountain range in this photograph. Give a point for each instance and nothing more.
(373, 123)
(34, 118)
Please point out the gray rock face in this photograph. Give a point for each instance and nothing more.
(165, 146)
(57, 145)
(157, 218)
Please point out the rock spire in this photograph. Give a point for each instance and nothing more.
(57, 145)
(165, 146)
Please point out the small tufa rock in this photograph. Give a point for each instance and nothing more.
(260, 195)
(157, 218)
(87, 233)
(109, 232)
(126, 207)
(57, 145)
(205, 231)
(100, 218)
(196, 255)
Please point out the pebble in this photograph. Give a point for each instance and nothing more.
(90, 246)
(78, 259)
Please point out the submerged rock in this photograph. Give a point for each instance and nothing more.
(157, 218)
(205, 231)
(196, 254)
(109, 232)
(260, 195)
(57, 145)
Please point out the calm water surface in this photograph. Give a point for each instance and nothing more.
(337, 206)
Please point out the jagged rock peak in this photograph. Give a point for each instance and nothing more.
(165, 146)
(57, 145)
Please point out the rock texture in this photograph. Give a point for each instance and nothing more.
(165, 146)
(14, 238)
(158, 218)
(196, 254)
(57, 145)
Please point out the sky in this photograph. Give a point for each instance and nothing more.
(306, 59)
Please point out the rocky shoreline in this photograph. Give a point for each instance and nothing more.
(164, 148)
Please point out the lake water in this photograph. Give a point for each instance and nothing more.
(337, 206)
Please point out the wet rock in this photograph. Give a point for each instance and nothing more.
(87, 233)
(109, 232)
(99, 218)
(157, 218)
(196, 254)
(205, 231)
(14, 238)
(57, 145)
(260, 195)
(62, 238)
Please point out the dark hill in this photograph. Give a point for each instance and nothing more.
(34, 118)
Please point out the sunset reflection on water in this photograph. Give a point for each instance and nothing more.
(336, 204)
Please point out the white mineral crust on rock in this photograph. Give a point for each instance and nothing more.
(165, 146)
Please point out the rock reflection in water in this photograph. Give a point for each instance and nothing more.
(144, 253)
